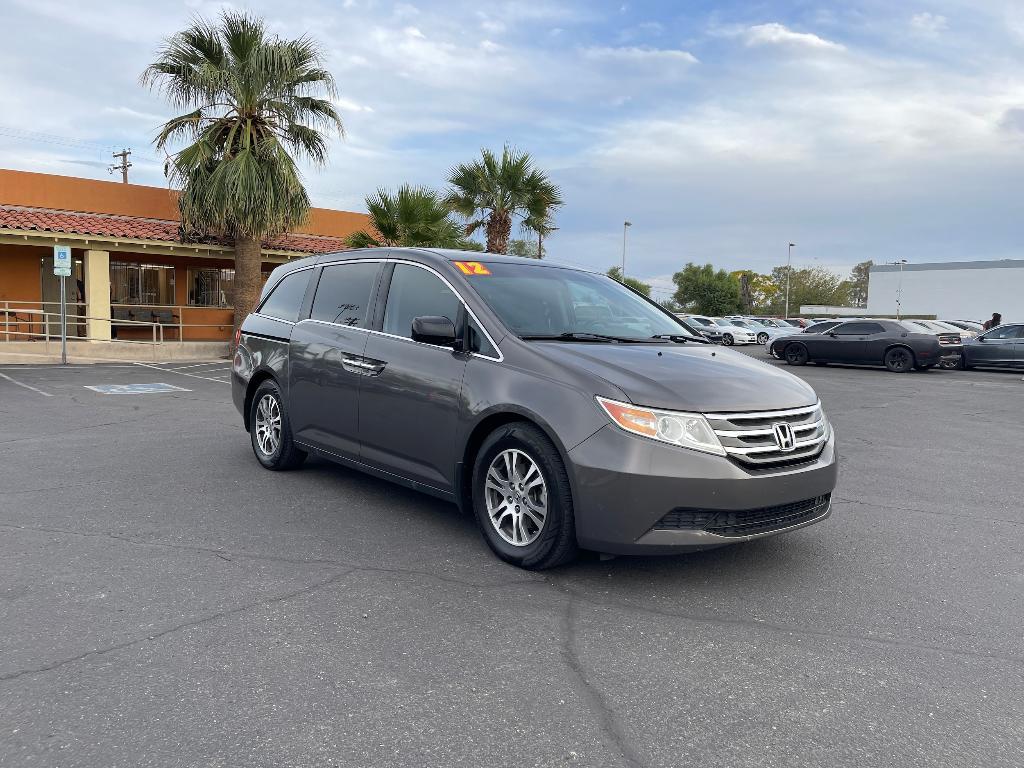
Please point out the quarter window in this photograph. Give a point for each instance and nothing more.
(344, 293)
(415, 292)
(285, 299)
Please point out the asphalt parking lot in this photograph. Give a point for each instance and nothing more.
(164, 601)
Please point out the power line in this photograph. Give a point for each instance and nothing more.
(63, 141)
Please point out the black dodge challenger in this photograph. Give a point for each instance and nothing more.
(872, 342)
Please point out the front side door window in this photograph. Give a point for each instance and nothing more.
(416, 292)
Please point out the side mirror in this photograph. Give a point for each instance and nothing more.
(431, 329)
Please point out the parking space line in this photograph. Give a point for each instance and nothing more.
(201, 365)
(183, 373)
(26, 386)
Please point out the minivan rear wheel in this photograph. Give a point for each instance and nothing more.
(522, 499)
(270, 430)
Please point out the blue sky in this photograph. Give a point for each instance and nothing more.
(722, 130)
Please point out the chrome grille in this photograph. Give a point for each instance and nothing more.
(750, 438)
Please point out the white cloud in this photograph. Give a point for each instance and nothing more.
(778, 34)
(928, 24)
(635, 54)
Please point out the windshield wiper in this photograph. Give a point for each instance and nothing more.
(576, 336)
(680, 337)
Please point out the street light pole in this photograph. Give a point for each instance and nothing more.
(789, 271)
(625, 225)
(899, 287)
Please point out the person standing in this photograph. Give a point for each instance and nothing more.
(997, 318)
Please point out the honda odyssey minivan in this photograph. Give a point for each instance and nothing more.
(561, 408)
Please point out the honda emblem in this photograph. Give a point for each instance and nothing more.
(784, 436)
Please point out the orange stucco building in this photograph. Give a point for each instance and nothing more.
(130, 266)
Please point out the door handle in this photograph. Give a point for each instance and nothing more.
(362, 365)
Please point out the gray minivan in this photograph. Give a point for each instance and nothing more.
(562, 408)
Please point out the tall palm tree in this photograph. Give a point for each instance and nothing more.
(492, 192)
(254, 106)
(413, 216)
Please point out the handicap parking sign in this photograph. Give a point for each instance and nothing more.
(62, 260)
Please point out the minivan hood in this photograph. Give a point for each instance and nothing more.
(700, 378)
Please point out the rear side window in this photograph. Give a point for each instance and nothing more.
(415, 292)
(1005, 332)
(857, 329)
(344, 293)
(285, 299)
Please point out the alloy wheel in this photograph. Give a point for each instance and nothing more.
(516, 497)
(268, 424)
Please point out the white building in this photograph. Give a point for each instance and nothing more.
(956, 290)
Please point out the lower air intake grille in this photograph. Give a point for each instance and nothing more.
(745, 522)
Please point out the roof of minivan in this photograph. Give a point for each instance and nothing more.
(448, 254)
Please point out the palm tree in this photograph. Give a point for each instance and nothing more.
(253, 108)
(492, 192)
(413, 216)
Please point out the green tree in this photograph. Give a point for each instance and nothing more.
(490, 193)
(859, 283)
(524, 248)
(706, 290)
(412, 216)
(671, 305)
(615, 273)
(253, 104)
(812, 285)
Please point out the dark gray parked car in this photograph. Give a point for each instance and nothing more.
(562, 408)
(897, 346)
(1001, 347)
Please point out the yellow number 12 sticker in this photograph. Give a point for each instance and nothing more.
(472, 268)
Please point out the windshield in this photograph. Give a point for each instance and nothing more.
(550, 301)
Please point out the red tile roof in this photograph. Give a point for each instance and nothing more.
(137, 228)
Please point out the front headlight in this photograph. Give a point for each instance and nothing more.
(689, 430)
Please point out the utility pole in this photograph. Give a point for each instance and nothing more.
(625, 226)
(789, 271)
(123, 166)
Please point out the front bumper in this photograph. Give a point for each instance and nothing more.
(624, 486)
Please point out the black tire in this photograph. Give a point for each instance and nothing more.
(762, 338)
(774, 352)
(285, 454)
(728, 340)
(796, 354)
(555, 543)
(964, 365)
(899, 360)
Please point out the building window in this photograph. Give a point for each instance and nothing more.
(132, 283)
(211, 287)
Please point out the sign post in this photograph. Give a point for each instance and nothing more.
(62, 269)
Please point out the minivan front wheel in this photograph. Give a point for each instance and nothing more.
(521, 498)
(271, 431)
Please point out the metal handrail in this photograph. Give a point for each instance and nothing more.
(12, 307)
